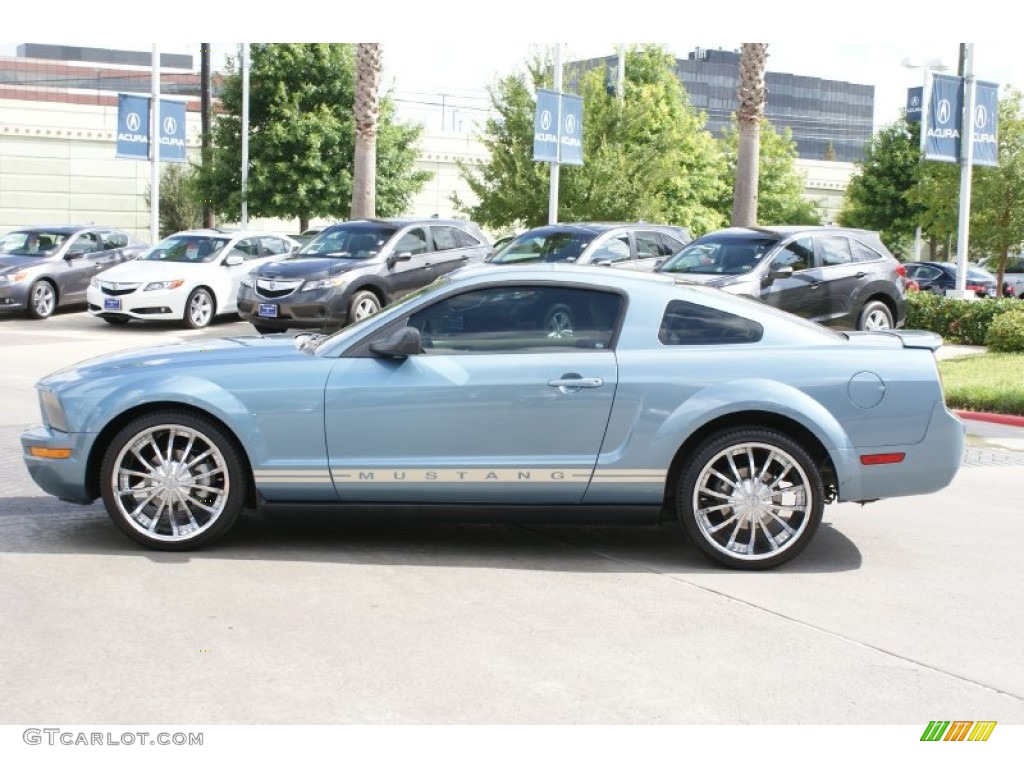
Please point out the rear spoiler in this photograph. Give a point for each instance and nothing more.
(909, 339)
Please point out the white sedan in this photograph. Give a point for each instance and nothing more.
(190, 276)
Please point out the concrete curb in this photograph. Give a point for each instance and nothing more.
(993, 418)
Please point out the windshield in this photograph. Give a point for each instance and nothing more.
(188, 249)
(32, 242)
(726, 256)
(543, 246)
(347, 243)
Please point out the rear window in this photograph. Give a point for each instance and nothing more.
(688, 324)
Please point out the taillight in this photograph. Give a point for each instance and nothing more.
(901, 271)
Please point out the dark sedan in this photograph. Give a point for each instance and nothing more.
(42, 268)
(939, 277)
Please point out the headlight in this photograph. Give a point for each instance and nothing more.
(329, 282)
(164, 285)
(248, 279)
(53, 413)
(94, 283)
(13, 277)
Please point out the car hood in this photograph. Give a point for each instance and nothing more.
(715, 281)
(309, 266)
(16, 263)
(148, 271)
(199, 354)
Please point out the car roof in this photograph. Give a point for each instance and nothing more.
(66, 229)
(595, 227)
(228, 233)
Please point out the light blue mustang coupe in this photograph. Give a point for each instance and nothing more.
(545, 393)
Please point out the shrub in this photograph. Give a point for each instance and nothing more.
(1006, 333)
(958, 321)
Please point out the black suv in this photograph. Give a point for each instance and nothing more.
(638, 246)
(350, 270)
(834, 276)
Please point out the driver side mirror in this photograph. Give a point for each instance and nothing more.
(400, 344)
(72, 255)
(233, 260)
(394, 258)
(779, 273)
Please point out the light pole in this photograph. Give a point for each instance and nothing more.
(932, 65)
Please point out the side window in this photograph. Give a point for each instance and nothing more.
(688, 324)
(833, 250)
(247, 249)
(444, 238)
(112, 240)
(647, 245)
(862, 252)
(1014, 264)
(519, 319)
(273, 246)
(669, 244)
(464, 239)
(615, 249)
(87, 242)
(414, 241)
(799, 255)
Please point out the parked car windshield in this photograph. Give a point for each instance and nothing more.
(189, 249)
(728, 256)
(348, 242)
(552, 246)
(31, 242)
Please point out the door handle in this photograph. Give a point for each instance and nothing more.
(860, 275)
(574, 383)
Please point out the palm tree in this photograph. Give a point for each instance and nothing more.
(752, 95)
(366, 113)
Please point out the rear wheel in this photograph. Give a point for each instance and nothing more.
(750, 499)
(875, 316)
(42, 300)
(199, 309)
(172, 480)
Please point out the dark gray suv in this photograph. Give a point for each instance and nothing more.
(350, 270)
(834, 276)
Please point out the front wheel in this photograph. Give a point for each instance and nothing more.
(362, 305)
(42, 300)
(171, 480)
(874, 317)
(750, 499)
(199, 309)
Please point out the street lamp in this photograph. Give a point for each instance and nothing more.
(932, 65)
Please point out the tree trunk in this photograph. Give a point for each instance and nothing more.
(366, 112)
(752, 97)
(303, 223)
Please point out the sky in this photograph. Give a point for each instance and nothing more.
(458, 47)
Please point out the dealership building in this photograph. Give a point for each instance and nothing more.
(58, 130)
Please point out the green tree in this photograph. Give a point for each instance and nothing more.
(647, 157)
(302, 138)
(180, 200)
(997, 194)
(780, 190)
(878, 196)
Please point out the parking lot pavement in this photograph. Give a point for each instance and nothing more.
(898, 612)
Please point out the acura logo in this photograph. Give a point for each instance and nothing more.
(545, 119)
(915, 101)
(942, 115)
(132, 121)
(570, 124)
(980, 116)
(272, 286)
(170, 126)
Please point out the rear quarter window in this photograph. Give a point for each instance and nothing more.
(689, 324)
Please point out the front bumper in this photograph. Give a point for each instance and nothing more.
(64, 478)
(139, 304)
(306, 309)
(14, 296)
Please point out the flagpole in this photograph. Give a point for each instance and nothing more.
(154, 149)
(966, 161)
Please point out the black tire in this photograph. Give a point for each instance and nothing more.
(200, 309)
(558, 323)
(362, 305)
(875, 316)
(116, 319)
(42, 300)
(719, 481)
(263, 330)
(198, 514)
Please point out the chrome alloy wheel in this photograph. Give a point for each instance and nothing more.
(752, 501)
(877, 320)
(43, 300)
(171, 483)
(365, 307)
(200, 309)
